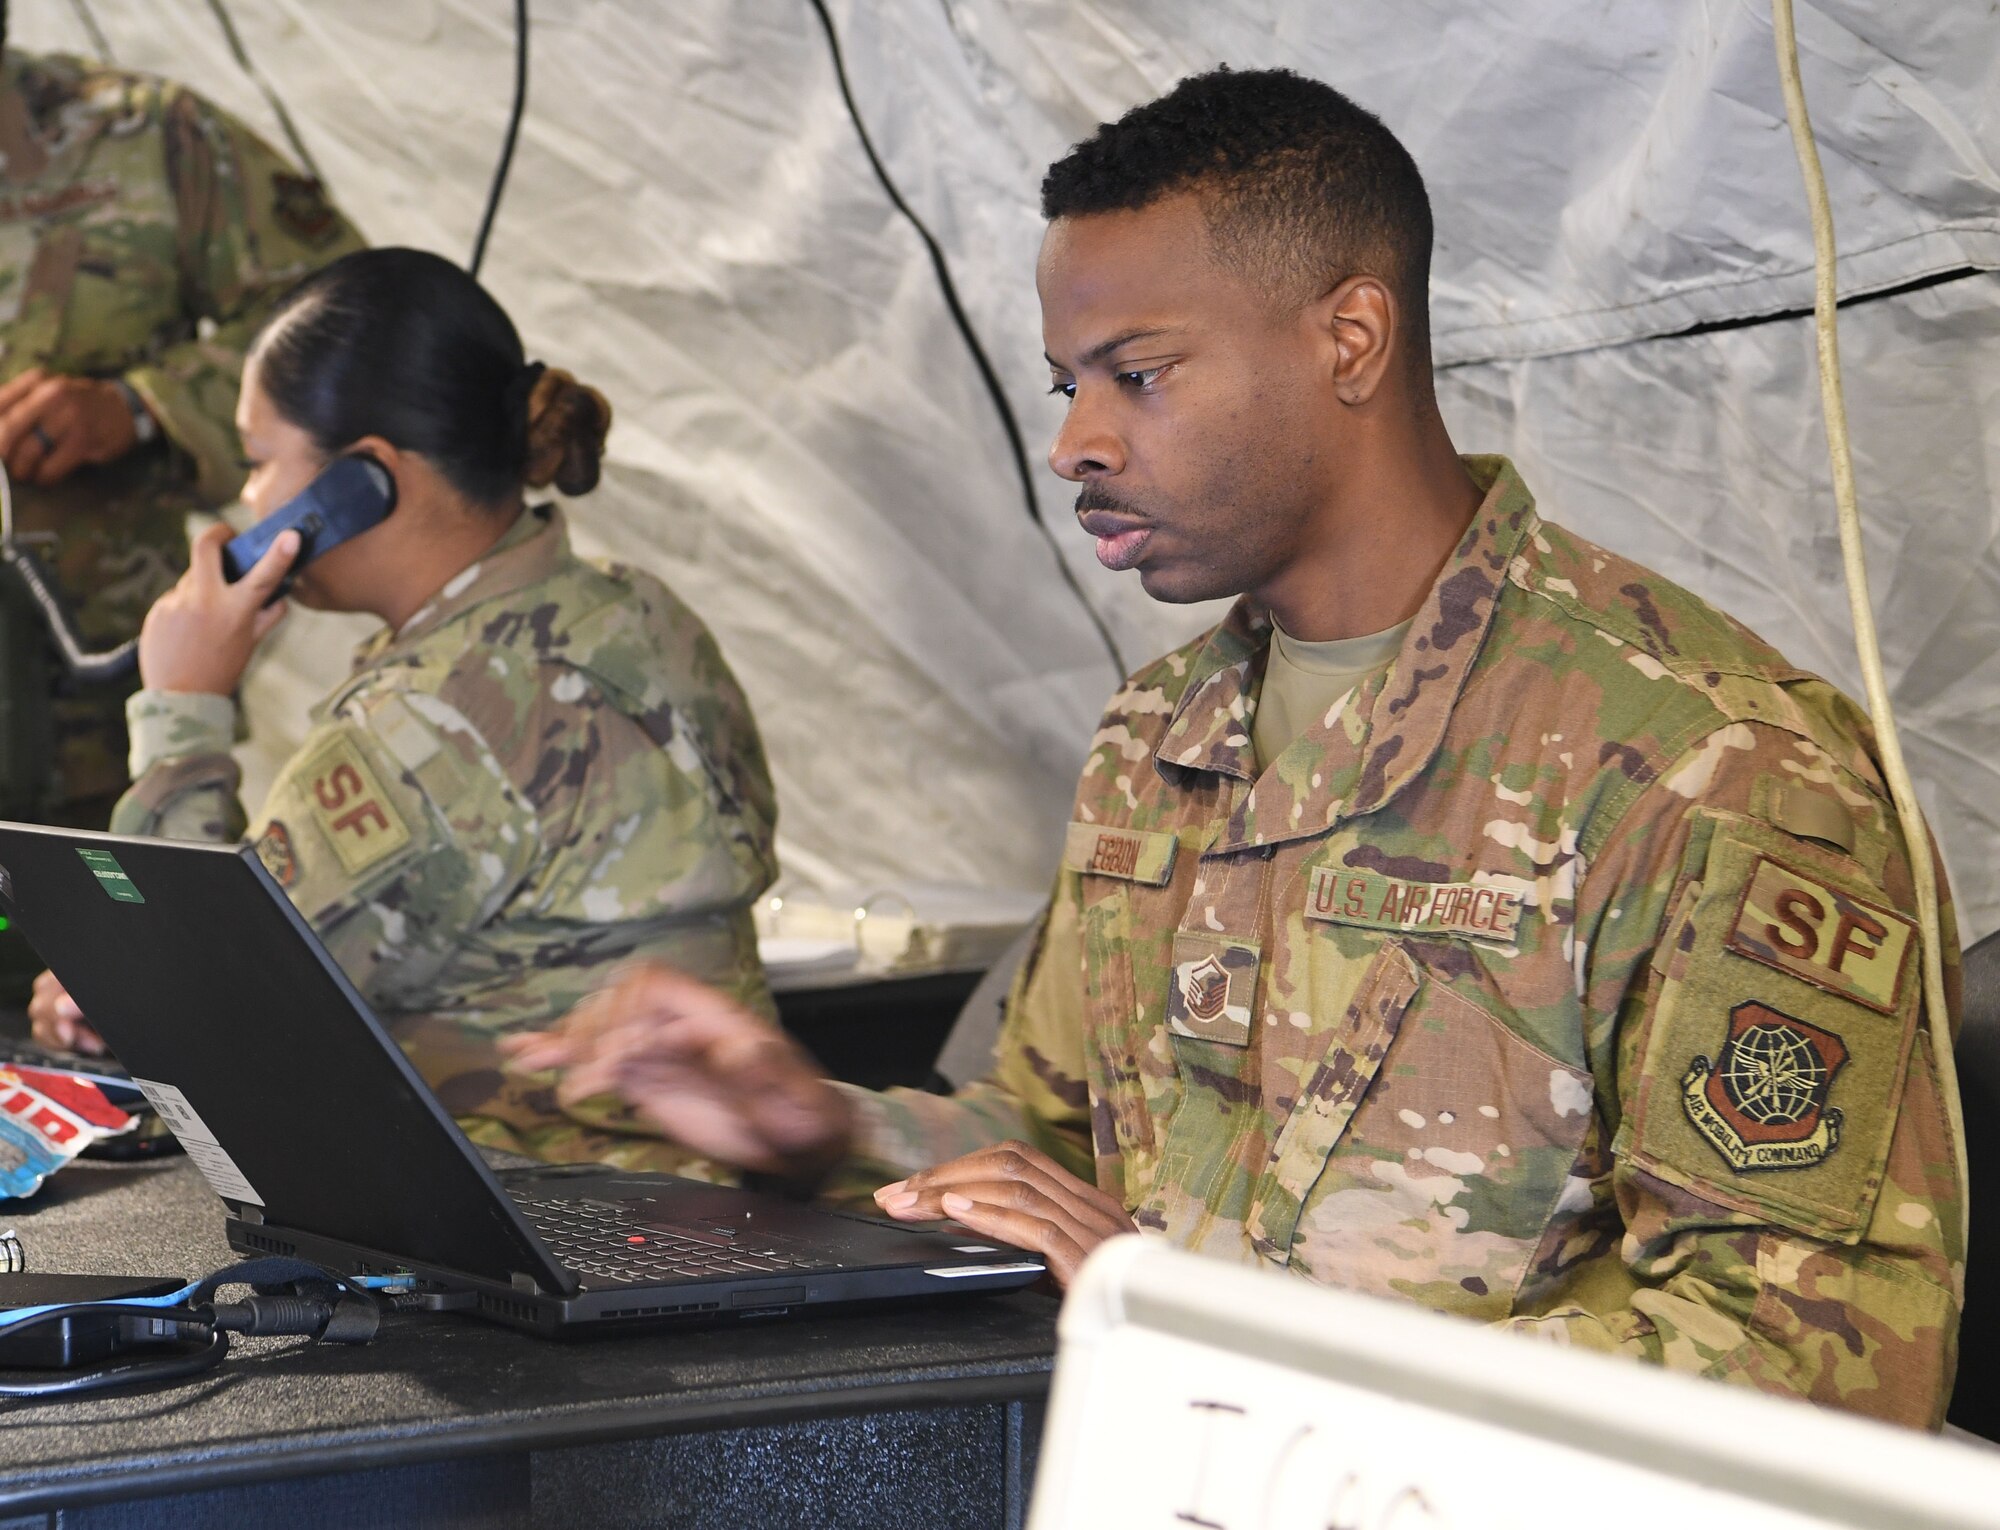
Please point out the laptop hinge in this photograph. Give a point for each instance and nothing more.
(526, 1284)
(254, 1215)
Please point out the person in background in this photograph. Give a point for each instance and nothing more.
(539, 768)
(145, 235)
(1472, 917)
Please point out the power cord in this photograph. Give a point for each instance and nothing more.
(106, 666)
(514, 115)
(1008, 423)
(1902, 791)
(288, 1298)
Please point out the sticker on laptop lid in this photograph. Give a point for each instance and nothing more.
(207, 1155)
(111, 876)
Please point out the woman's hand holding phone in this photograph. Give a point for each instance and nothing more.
(199, 636)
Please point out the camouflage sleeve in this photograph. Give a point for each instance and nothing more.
(184, 779)
(1036, 1091)
(250, 226)
(395, 833)
(1779, 1204)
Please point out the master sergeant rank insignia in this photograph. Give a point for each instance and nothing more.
(1211, 988)
(1762, 1103)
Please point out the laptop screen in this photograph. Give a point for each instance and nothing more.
(207, 984)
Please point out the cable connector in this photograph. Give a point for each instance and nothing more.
(345, 1319)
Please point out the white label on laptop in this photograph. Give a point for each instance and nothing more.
(962, 1271)
(208, 1155)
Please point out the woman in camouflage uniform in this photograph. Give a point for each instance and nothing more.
(539, 767)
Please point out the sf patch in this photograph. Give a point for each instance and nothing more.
(353, 812)
(1762, 1102)
(1805, 926)
(1211, 988)
(274, 849)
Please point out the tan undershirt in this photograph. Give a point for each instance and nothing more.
(1303, 681)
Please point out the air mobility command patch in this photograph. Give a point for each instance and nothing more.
(350, 807)
(1762, 1102)
(1783, 1021)
(1211, 988)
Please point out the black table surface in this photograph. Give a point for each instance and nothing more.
(438, 1386)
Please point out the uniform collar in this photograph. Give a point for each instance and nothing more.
(1390, 730)
(535, 546)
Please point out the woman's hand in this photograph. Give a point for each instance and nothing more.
(199, 635)
(56, 1021)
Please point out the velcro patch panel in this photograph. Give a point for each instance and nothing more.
(1132, 855)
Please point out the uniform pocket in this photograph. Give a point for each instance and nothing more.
(1455, 1158)
(1334, 1076)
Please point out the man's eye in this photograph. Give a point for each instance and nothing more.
(1143, 378)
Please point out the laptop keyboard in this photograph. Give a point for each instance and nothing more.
(602, 1239)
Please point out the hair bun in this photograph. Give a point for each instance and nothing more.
(567, 424)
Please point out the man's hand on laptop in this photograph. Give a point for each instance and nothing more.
(1017, 1194)
(57, 1022)
(707, 1072)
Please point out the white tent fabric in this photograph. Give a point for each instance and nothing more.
(803, 447)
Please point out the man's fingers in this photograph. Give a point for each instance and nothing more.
(535, 1051)
(63, 459)
(1063, 1251)
(23, 455)
(1011, 1163)
(13, 391)
(14, 418)
(42, 429)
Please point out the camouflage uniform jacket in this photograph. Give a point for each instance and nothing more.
(1565, 977)
(549, 769)
(144, 235)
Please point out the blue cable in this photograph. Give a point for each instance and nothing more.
(13, 1315)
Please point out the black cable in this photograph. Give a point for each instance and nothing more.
(506, 162)
(275, 101)
(98, 40)
(201, 1350)
(987, 375)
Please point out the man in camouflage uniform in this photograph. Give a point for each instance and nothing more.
(547, 770)
(144, 237)
(1560, 972)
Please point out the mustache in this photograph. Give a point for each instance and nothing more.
(1093, 497)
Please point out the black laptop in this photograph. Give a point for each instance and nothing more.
(312, 1126)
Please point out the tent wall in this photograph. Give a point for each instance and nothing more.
(803, 447)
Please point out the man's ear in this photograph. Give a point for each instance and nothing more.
(1361, 328)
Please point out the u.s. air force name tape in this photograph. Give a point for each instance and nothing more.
(1465, 910)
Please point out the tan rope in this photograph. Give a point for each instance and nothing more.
(1923, 869)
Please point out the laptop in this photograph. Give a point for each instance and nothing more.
(324, 1143)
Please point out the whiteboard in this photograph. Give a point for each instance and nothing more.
(1189, 1392)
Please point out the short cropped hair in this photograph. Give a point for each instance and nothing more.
(1301, 188)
